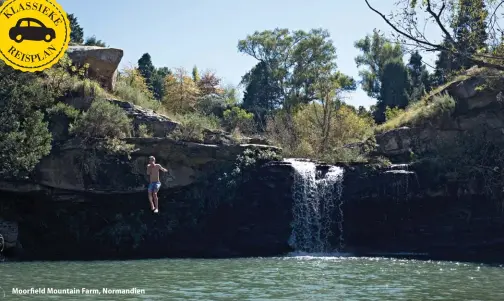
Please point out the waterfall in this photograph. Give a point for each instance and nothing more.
(315, 197)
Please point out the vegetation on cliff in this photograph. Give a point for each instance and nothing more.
(294, 96)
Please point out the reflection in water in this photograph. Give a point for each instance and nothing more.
(287, 278)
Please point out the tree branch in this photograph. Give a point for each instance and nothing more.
(428, 46)
(425, 43)
(438, 20)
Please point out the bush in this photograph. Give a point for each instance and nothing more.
(143, 131)
(64, 109)
(64, 79)
(420, 112)
(192, 126)
(239, 118)
(391, 113)
(127, 90)
(24, 136)
(102, 120)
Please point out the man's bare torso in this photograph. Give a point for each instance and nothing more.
(153, 172)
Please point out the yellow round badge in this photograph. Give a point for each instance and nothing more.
(34, 35)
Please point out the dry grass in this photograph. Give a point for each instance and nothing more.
(431, 105)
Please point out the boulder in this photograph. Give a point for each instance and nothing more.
(103, 62)
(159, 125)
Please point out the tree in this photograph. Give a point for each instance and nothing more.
(209, 84)
(146, 68)
(181, 93)
(469, 31)
(346, 127)
(77, 33)
(158, 80)
(420, 80)
(328, 90)
(395, 84)
(24, 135)
(382, 59)
(230, 94)
(376, 50)
(262, 94)
(411, 30)
(132, 78)
(93, 41)
(195, 74)
(293, 60)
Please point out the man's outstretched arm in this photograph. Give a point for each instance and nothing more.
(162, 168)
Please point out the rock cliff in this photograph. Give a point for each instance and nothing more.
(103, 62)
(478, 105)
(226, 200)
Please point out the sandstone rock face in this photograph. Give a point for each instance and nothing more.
(159, 125)
(75, 168)
(103, 62)
(8, 234)
(475, 109)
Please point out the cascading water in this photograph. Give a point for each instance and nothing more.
(315, 198)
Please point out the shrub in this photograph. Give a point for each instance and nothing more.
(24, 136)
(420, 112)
(66, 79)
(131, 86)
(143, 131)
(62, 108)
(238, 118)
(192, 126)
(391, 113)
(102, 120)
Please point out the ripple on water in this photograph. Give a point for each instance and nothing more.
(294, 277)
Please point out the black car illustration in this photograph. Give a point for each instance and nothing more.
(31, 29)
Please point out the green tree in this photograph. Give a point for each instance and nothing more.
(420, 79)
(293, 60)
(469, 31)
(230, 94)
(376, 50)
(158, 80)
(195, 74)
(93, 41)
(328, 91)
(24, 136)
(146, 68)
(386, 78)
(413, 19)
(395, 84)
(262, 95)
(77, 33)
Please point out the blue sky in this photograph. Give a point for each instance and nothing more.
(205, 33)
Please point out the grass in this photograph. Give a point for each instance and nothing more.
(430, 106)
(125, 92)
(192, 126)
(419, 112)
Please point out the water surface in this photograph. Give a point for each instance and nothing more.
(285, 278)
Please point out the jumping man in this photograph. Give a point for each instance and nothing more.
(154, 183)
